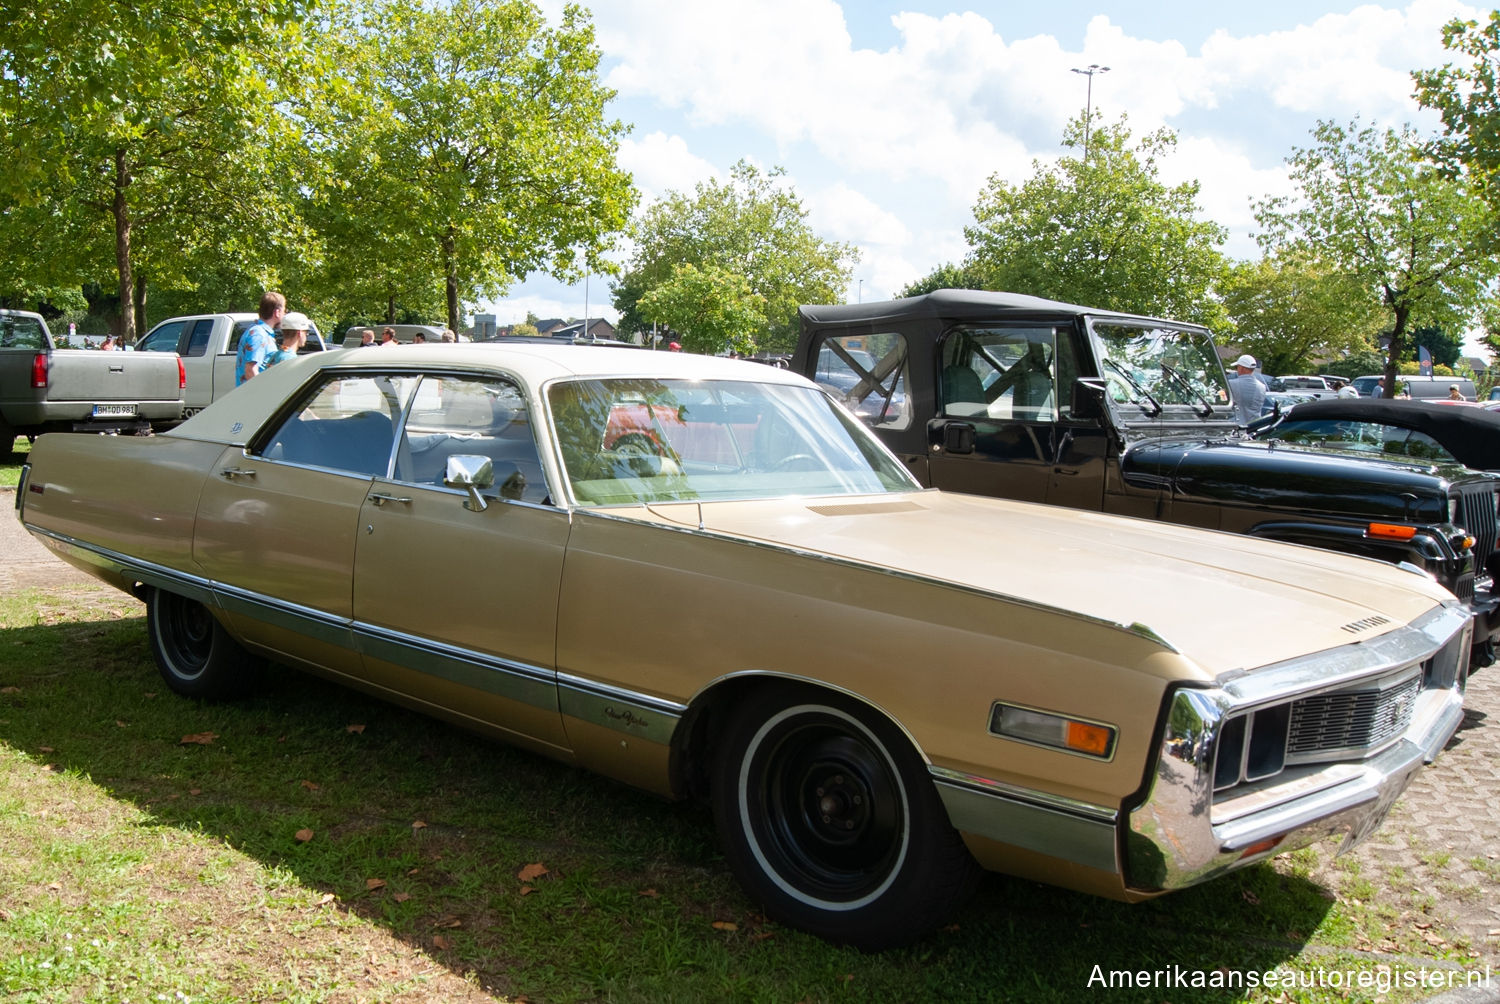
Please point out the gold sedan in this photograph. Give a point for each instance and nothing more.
(705, 578)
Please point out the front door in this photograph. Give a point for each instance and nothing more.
(456, 609)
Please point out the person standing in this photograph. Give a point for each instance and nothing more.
(1246, 390)
(259, 340)
(294, 328)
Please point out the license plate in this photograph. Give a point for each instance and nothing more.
(113, 410)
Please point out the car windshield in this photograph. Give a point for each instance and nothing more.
(630, 441)
(1151, 366)
(1365, 437)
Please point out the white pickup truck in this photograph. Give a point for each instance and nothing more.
(206, 344)
(44, 388)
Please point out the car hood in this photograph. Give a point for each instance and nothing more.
(1225, 601)
(1276, 476)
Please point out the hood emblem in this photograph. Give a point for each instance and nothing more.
(1366, 623)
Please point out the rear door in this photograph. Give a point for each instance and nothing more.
(277, 523)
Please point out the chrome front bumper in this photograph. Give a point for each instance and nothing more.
(1185, 832)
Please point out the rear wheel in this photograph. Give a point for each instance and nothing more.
(830, 820)
(194, 653)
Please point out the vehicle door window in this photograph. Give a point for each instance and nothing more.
(869, 374)
(21, 333)
(452, 415)
(345, 424)
(1003, 374)
(163, 338)
(197, 343)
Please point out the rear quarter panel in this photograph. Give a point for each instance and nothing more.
(136, 496)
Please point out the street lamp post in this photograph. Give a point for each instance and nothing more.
(1088, 107)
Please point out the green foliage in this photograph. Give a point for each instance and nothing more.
(752, 227)
(1468, 98)
(1446, 347)
(458, 148)
(525, 328)
(946, 276)
(711, 308)
(1101, 230)
(1377, 210)
(145, 135)
(1356, 364)
(1291, 309)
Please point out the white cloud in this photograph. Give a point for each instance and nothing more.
(662, 163)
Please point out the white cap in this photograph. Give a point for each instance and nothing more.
(1246, 360)
(295, 321)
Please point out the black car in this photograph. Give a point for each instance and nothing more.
(1032, 399)
(1452, 433)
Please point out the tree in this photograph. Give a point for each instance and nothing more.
(145, 134)
(1445, 347)
(753, 226)
(945, 276)
(711, 308)
(1468, 98)
(1378, 210)
(1101, 230)
(462, 146)
(1292, 309)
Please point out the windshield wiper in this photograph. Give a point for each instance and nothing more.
(1143, 392)
(1182, 381)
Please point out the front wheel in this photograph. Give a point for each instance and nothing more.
(829, 819)
(194, 653)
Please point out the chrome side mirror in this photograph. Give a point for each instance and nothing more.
(471, 472)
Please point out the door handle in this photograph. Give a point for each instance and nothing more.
(236, 472)
(381, 498)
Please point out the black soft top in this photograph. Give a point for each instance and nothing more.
(1470, 433)
(960, 305)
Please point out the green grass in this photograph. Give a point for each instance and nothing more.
(138, 867)
(10, 470)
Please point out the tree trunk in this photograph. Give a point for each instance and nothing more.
(121, 210)
(450, 280)
(1397, 349)
(140, 303)
(390, 309)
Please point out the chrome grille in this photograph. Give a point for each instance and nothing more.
(1476, 514)
(1351, 719)
(1464, 587)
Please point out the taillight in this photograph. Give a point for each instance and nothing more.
(39, 370)
(181, 375)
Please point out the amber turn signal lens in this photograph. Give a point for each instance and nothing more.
(1391, 531)
(1086, 738)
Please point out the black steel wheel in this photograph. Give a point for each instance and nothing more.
(193, 652)
(830, 820)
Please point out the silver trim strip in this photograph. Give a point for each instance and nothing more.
(516, 681)
(640, 716)
(1000, 789)
(194, 587)
(1065, 835)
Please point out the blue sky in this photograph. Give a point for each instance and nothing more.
(889, 118)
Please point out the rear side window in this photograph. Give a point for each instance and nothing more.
(348, 425)
(198, 341)
(21, 333)
(869, 373)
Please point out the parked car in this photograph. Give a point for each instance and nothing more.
(207, 345)
(1419, 387)
(404, 333)
(933, 679)
(1031, 399)
(1311, 386)
(1423, 430)
(44, 388)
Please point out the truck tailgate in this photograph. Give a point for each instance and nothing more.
(112, 377)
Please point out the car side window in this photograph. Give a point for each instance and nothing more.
(161, 339)
(197, 344)
(21, 333)
(1002, 374)
(347, 424)
(488, 417)
(869, 374)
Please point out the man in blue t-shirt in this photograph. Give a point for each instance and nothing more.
(259, 340)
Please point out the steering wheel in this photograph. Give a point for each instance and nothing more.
(792, 458)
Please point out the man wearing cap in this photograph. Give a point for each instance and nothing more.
(1246, 390)
(294, 327)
